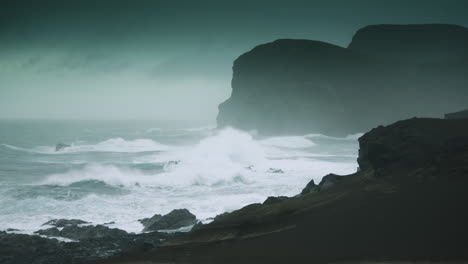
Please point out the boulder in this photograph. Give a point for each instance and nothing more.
(61, 146)
(175, 219)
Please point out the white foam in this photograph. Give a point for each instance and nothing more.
(295, 142)
(348, 137)
(224, 171)
(110, 145)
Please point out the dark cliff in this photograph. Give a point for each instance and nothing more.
(405, 204)
(387, 73)
(457, 115)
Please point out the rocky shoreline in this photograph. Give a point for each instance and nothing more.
(406, 202)
(75, 241)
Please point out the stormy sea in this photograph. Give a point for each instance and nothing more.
(115, 173)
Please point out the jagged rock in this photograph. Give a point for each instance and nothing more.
(327, 182)
(65, 222)
(197, 226)
(457, 115)
(273, 199)
(175, 219)
(94, 244)
(61, 146)
(51, 232)
(149, 221)
(310, 188)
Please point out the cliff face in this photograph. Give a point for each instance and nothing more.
(406, 203)
(387, 73)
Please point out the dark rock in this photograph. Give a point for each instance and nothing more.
(65, 222)
(84, 232)
(51, 232)
(61, 146)
(417, 43)
(149, 221)
(92, 243)
(12, 230)
(273, 199)
(303, 86)
(418, 147)
(175, 219)
(310, 188)
(272, 170)
(457, 115)
(19, 249)
(197, 226)
(329, 181)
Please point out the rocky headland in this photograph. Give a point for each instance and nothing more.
(292, 86)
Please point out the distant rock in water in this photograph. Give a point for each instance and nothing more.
(175, 219)
(61, 146)
(457, 115)
(65, 222)
(388, 73)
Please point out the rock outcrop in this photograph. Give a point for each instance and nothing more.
(84, 232)
(90, 243)
(406, 203)
(173, 220)
(387, 73)
(457, 115)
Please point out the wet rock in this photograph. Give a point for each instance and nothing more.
(65, 222)
(51, 232)
(84, 232)
(175, 219)
(149, 221)
(272, 170)
(329, 181)
(61, 146)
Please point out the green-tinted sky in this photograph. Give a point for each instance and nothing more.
(113, 59)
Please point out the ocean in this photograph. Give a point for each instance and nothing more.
(122, 171)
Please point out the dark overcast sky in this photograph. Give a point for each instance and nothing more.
(163, 59)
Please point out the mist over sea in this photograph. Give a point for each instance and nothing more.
(124, 171)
